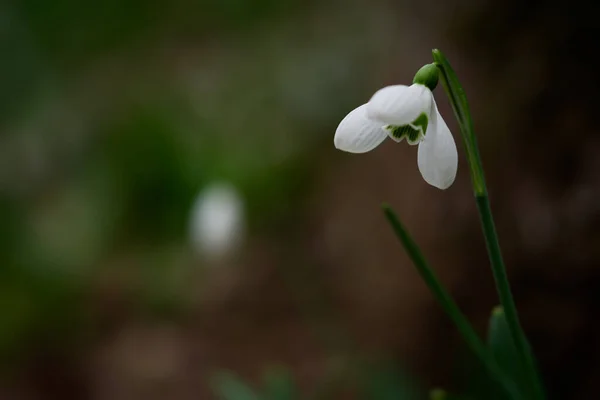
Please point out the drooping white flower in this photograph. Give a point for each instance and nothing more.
(217, 220)
(403, 112)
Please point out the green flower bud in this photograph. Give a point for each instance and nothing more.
(428, 76)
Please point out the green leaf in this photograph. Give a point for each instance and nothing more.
(229, 387)
(388, 382)
(503, 347)
(279, 385)
(475, 382)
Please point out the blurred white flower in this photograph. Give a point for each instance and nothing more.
(217, 220)
(403, 112)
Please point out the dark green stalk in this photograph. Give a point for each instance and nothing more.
(459, 103)
(450, 307)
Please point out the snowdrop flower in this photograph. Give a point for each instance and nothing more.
(405, 112)
(217, 220)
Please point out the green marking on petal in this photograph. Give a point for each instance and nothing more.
(413, 133)
(413, 136)
(401, 132)
(422, 121)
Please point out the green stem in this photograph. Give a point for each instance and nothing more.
(450, 307)
(460, 106)
(506, 297)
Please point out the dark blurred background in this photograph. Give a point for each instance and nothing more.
(119, 117)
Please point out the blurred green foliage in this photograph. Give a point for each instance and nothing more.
(105, 141)
(377, 383)
(95, 175)
(278, 384)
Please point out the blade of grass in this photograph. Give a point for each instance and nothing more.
(450, 307)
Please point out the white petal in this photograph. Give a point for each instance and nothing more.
(358, 134)
(217, 220)
(437, 156)
(399, 104)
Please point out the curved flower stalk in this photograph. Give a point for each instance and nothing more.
(404, 112)
(459, 103)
